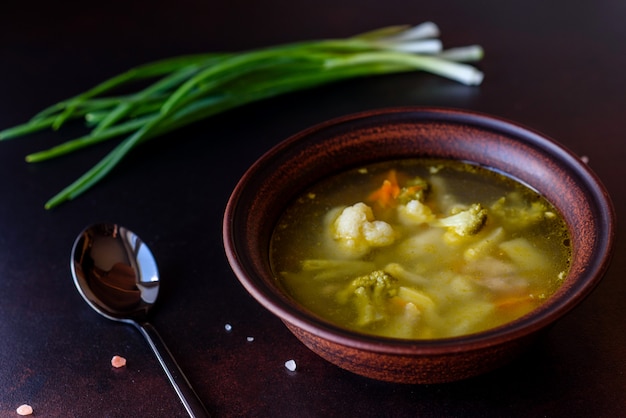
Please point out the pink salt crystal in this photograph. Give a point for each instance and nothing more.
(118, 361)
(24, 410)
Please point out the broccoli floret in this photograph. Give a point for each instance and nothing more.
(415, 189)
(369, 294)
(516, 213)
(465, 222)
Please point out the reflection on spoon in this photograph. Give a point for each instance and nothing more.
(117, 275)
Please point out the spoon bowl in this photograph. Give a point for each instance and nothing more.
(115, 272)
(117, 275)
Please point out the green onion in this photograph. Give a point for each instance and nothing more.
(186, 89)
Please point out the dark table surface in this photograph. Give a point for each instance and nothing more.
(557, 67)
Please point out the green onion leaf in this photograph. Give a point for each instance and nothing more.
(182, 90)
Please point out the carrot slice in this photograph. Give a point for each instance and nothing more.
(520, 304)
(387, 193)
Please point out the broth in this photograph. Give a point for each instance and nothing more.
(420, 249)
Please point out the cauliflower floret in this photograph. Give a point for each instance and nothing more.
(415, 212)
(356, 230)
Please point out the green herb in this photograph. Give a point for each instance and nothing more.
(189, 88)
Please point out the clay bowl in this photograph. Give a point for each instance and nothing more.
(282, 173)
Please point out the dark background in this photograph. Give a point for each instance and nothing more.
(557, 67)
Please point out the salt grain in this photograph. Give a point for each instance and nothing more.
(24, 410)
(250, 339)
(118, 362)
(228, 327)
(290, 365)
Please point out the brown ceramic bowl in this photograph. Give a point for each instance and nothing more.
(287, 169)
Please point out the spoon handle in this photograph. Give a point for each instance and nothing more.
(177, 378)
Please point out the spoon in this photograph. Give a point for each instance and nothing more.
(117, 275)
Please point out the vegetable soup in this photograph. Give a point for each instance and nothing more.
(420, 249)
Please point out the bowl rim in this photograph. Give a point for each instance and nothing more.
(525, 326)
